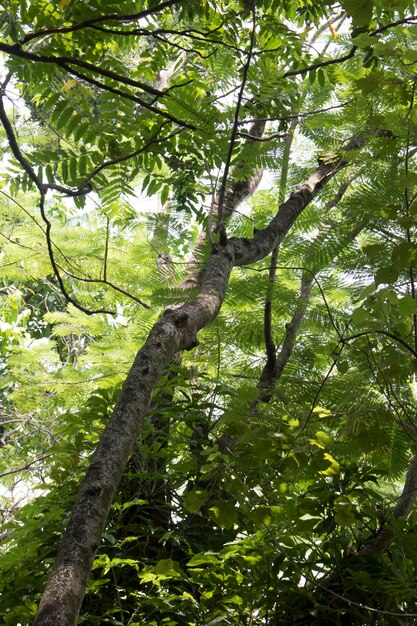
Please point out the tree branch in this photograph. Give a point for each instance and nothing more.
(174, 332)
(15, 148)
(104, 281)
(48, 226)
(386, 334)
(274, 366)
(235, 195)
(111, 17)
(351, 53)
(65, 61)
(66, 65)
(16, 470)
(220, 217)
(295, 116)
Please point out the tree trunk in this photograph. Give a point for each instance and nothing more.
(174, 332)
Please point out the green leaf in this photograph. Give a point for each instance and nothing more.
(345, 518)
(73, 122)
(361, 317)
(64, 171)
(203, 559)
(342, 366)
(73, 169)
(326, 464)
(386, 275)
(164, 566)
(81, 131)
(407, 306)
(64, 118)
(193, 500)
(224, 514)
(164, 194)
(360, 10)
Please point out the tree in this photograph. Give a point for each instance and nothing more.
(264, 472)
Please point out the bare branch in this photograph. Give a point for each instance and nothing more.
(29, 170)
(104, 281)
(16, 470)
(111, 17)
(386, 333)
(220, 218)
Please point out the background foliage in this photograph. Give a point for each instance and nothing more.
(238, 506)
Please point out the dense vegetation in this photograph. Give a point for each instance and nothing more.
(225, 195)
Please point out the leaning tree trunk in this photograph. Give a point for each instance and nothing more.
(174, 332)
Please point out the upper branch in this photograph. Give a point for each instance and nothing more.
(111, 17)
(386, 333)
(42, 191)
(15, 148)
(352, 51)
(66, 63)
(220, 223)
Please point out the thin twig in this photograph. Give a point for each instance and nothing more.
(63, 61)
(364, 607)
(386, 333)
(66, 64)
(283, 118)
(106, 248)
(262, 139)
(127, 96)
(154, 139)
(48, 226)
(104, 281)
(55, 265)
(315, 66)
(111, 17)
(15, 470)
(352, 51)
(222, 191)
(302, 269)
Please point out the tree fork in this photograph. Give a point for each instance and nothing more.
(174, 332)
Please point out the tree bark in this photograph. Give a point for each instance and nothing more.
(174, 332)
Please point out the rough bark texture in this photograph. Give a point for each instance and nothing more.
(174, 332)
